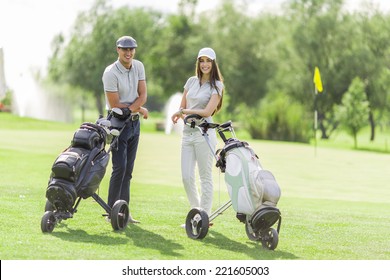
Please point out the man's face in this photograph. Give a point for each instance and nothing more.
(126, 55)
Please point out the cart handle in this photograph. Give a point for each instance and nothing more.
(197, 120)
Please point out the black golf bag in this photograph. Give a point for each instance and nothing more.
(78, 171)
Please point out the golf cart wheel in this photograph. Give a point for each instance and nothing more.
(49, 206)
(119, 215)
(269, 238)
(252, 235)
(48, 222)
(197, 223)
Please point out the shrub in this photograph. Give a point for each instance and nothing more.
(277, 117)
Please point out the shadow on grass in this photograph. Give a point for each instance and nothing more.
(140, 237)
(373, 150)
(148, 239)
(81, 236)
(252, 249)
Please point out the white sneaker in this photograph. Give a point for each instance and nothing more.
(133, 221)
(183, 226)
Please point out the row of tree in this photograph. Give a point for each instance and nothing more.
(263, 58)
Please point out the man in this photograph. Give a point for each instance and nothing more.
(124, 85)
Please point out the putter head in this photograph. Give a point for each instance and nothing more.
(114, 132)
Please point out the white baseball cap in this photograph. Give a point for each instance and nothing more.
(208, 52)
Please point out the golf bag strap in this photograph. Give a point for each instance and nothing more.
(234, 146)
(237, 144)
(94, 127)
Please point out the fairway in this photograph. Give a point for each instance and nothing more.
(335, 204)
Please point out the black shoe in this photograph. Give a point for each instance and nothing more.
(241, 217)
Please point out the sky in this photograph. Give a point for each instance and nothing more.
(27, 27)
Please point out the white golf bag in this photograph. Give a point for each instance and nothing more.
(250, 186)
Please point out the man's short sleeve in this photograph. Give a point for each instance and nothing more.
(141, 71)
(110, 81)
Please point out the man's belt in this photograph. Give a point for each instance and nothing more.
(134, 117)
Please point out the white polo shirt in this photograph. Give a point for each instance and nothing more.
(198, 96)
(116, 78)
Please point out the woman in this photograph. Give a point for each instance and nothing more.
(202, 96)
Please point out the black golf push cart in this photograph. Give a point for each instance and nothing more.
(254, 192)
(77, 172)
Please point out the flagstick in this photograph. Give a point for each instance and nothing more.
(315, 121)
(317, 88)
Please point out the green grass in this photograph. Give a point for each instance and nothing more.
(335, 203)
(340, 139)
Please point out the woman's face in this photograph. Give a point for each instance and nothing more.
(205, 64)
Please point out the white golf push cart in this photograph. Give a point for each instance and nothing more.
(254, 192)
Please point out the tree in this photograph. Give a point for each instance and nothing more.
(353, 112)
(259, 55)
(246, 52)
(92, 45)
(344, 45)
(376, 41)
(172, 59)
(319, 39)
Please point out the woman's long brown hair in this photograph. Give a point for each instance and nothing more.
(215, 75)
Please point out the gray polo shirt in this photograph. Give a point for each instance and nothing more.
(116, 78)
(198, 96)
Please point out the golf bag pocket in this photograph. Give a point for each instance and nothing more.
(265, 189)
(61, 193)
(68, 165)
(86, 138)
(239, 165)
(91, 179)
